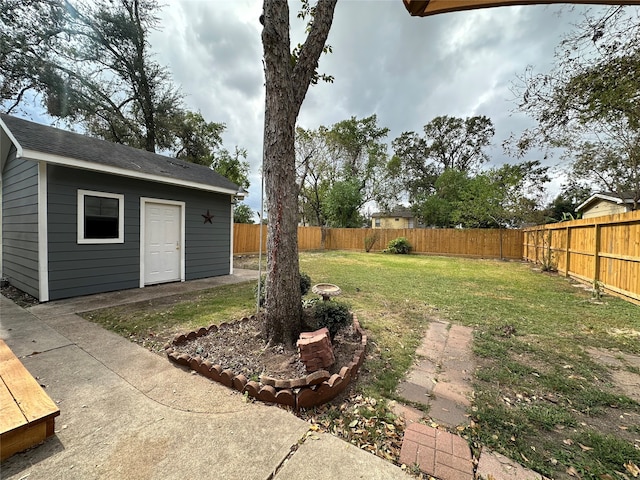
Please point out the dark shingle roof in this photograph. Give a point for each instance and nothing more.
(53, 141)
(399, 211)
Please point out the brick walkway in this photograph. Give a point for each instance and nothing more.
(441, 377)
(437, 452)
(441, 380)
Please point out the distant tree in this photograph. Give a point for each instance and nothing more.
(27, 30)
(197, 140)
(360, 152)
(508, 196)
(436, 168)
(350, 152)
(91, 64)
(515, 195)
(287, 79)
(412, 166)
(459, 143)
(437, 208)
(449, 143)
(232, 166)
(343, 203)
(242, 213)
(563, 207)
(315, 171)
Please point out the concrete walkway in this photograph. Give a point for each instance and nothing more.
(127, 413)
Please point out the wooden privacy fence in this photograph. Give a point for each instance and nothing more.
(603, 249)
(483, 243)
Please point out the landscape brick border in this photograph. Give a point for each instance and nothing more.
(314, 389)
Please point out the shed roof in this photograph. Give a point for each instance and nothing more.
(39, 142)
(399, 211)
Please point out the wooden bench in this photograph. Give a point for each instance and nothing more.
(27, 414)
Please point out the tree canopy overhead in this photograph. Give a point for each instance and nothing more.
(588, 105)
(91, 63)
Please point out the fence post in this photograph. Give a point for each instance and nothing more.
(567, 257)
(596, 259)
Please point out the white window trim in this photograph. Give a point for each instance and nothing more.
(94, 241)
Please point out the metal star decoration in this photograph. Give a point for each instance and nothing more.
(207, 217)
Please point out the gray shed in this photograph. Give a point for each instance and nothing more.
(81, 215)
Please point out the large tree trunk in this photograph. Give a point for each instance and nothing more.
(286, 86)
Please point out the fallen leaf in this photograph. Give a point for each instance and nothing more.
(353, 423)
(523, 457)
(567, 441)
(632, 468)
(573, 472)
(584, 447)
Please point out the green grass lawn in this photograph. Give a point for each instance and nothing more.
(539, 397)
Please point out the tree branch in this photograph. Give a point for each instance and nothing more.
(310, 52)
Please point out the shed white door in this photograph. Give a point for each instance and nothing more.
(162, 243)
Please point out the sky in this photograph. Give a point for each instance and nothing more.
(406, 70)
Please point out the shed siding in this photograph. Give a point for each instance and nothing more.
(20, 224)
(604, 207)
(396, 222)
(82, 269)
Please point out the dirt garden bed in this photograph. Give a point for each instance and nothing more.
(237, 356)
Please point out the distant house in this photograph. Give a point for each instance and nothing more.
(606, 203)
(399, 217)
(81, 215)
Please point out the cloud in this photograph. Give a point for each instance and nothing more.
(406, 70)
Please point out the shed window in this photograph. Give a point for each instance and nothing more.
(100, 217)
(377, 222)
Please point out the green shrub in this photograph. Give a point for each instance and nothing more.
(305, 283)
(370, 241)
(398, 245)
(333, 315)
(305, 286)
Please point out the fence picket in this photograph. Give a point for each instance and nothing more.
(604, 249)
(483, 243)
